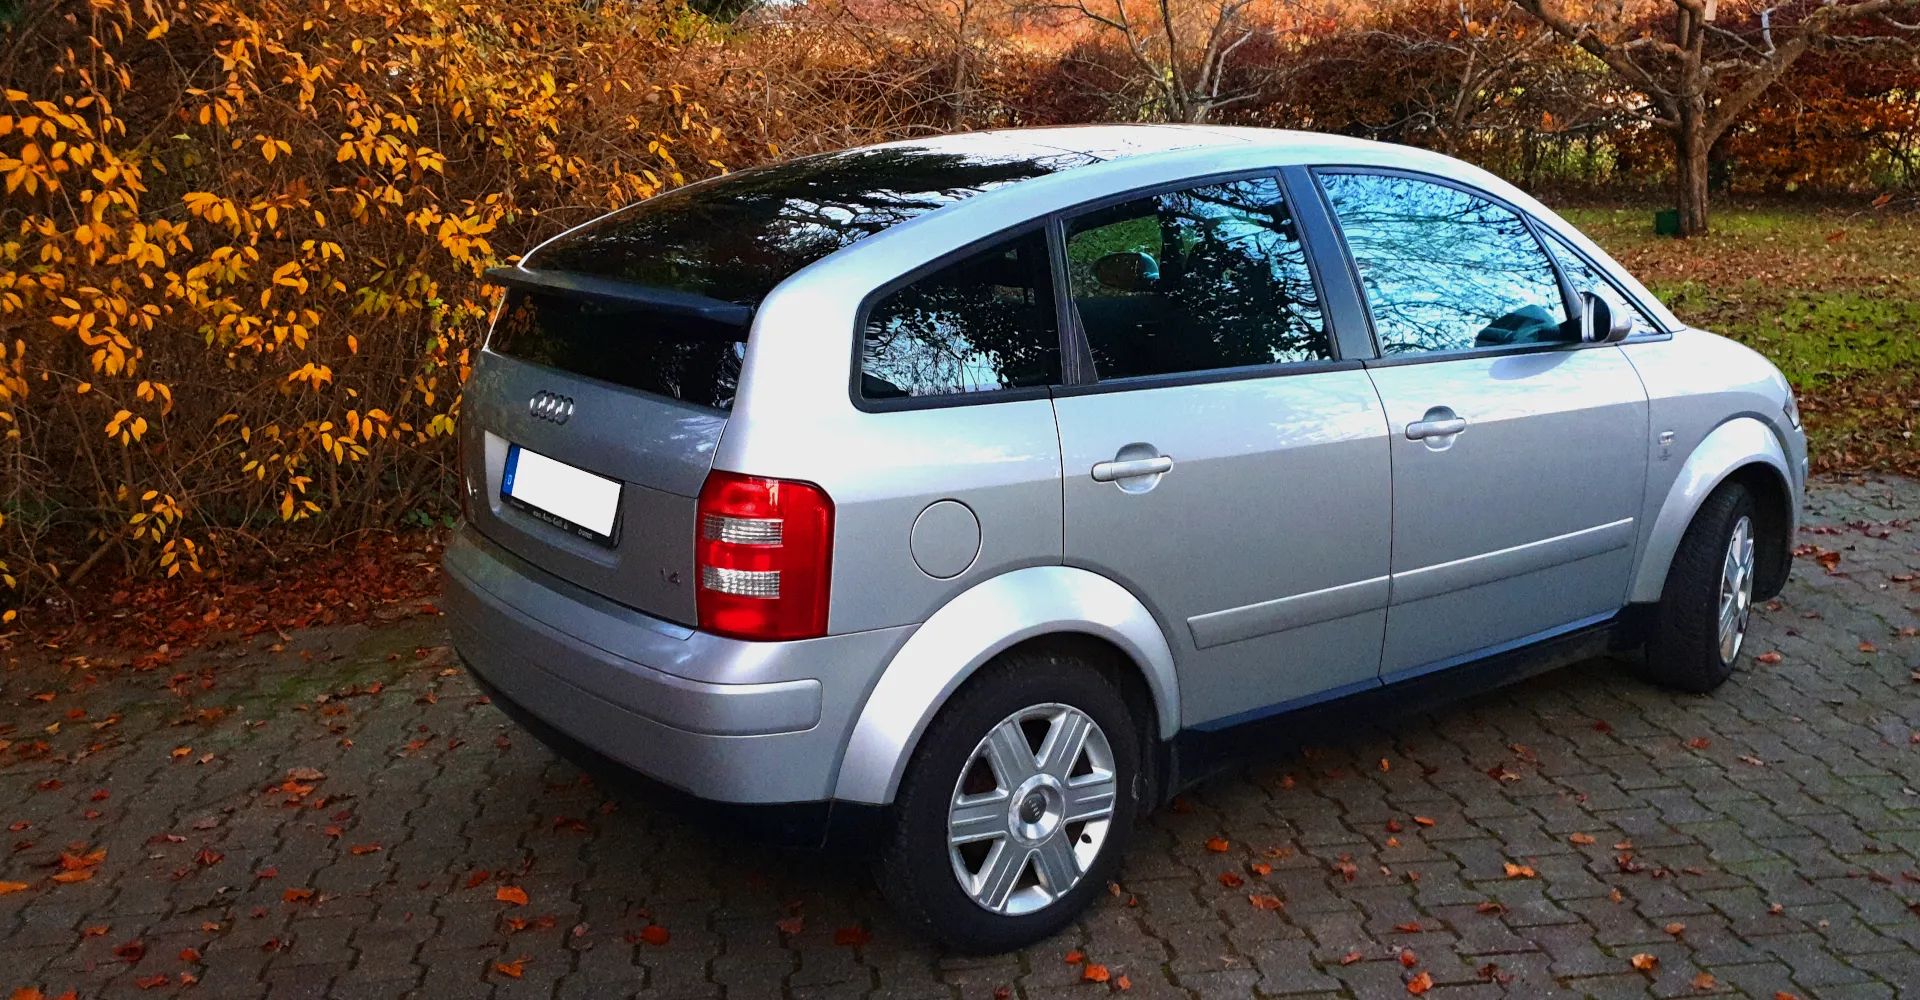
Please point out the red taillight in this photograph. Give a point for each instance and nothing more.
(762, 549)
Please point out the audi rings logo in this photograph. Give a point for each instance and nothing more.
(550, 406)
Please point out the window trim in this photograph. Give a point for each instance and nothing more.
(1660, 331)
(1090, 379)
(1381, 358)
(875, 295)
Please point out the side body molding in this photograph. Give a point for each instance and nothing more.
(970, 630)
(1739, 442)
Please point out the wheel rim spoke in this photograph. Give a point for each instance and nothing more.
(1063, 744)
(1007, 751)
(979, 818)
(1090, 798)
(1054, 862)
(1000, 874)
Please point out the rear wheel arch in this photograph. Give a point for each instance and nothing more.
(1063, 607)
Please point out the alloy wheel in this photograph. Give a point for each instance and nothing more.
(1031, 809)
(1736, 589)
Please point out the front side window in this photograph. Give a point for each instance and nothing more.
(1584, 277)
(982, 323)
(1444, 270)
(1195, 280)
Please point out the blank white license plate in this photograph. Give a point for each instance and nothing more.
(574, 500)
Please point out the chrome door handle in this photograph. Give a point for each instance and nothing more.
(1107, 472)
(1420, 430)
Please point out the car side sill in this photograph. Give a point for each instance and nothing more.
(1332, 716)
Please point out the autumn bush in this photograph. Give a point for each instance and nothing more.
(241, 240)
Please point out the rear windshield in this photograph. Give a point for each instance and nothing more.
(669, 355)
(736, 237)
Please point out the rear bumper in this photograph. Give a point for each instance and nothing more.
(721, 719)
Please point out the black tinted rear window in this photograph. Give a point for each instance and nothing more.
(737, 237)
(633, 346)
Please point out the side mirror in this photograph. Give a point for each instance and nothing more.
(1127, 271)
(1602, 322)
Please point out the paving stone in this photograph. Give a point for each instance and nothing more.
(460, 802)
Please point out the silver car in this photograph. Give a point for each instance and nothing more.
(986, 490)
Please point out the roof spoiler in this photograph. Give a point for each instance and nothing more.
(608, 291)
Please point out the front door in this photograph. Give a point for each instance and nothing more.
(1519, 456)
(1224, 467)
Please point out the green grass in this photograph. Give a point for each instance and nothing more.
(1832, 296)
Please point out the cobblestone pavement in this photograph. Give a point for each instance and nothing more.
(339, 814)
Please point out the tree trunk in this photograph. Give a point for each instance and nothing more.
(1691, 154)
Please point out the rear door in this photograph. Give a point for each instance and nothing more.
(1518, 452)
(1219, 460)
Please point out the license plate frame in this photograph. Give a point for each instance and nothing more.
(581, 503)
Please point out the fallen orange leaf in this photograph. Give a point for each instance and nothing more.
(791, 925)
(149, 982)
(1645, 962)
(1676, 928)
(1350, 957)
(1768, 659)
(1218, 845)
(1699, 743)
(1123, 983)
(511, 894)
(1261, 868)
(363, 849)
(1265, 902)
(296, 895)
(1408, 959)
(514, 968)
(73, 876)
(1704, 981)
(1232, 880)
(851, 937)
(655, 934)
(1075, 958)
(1094, 974)
(1409, 928)
(1420, 983)
(189, 954)
(1582, 839)
(1519, 871)
(7, 887)
(1423, 821)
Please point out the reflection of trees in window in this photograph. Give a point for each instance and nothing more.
(737, 237)
(983, 323)
(1231, 285)
(1584, 278)
(627, 345)
(1443, 270)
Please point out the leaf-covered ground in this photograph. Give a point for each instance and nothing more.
(1832, 296)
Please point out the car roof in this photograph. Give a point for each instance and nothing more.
(1123, 141)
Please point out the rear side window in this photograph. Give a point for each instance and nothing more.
(1444, 270)
(632, 346)
(982, 323)
(1195, 280)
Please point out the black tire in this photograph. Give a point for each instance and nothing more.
(1685, 649)
(915, 869)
